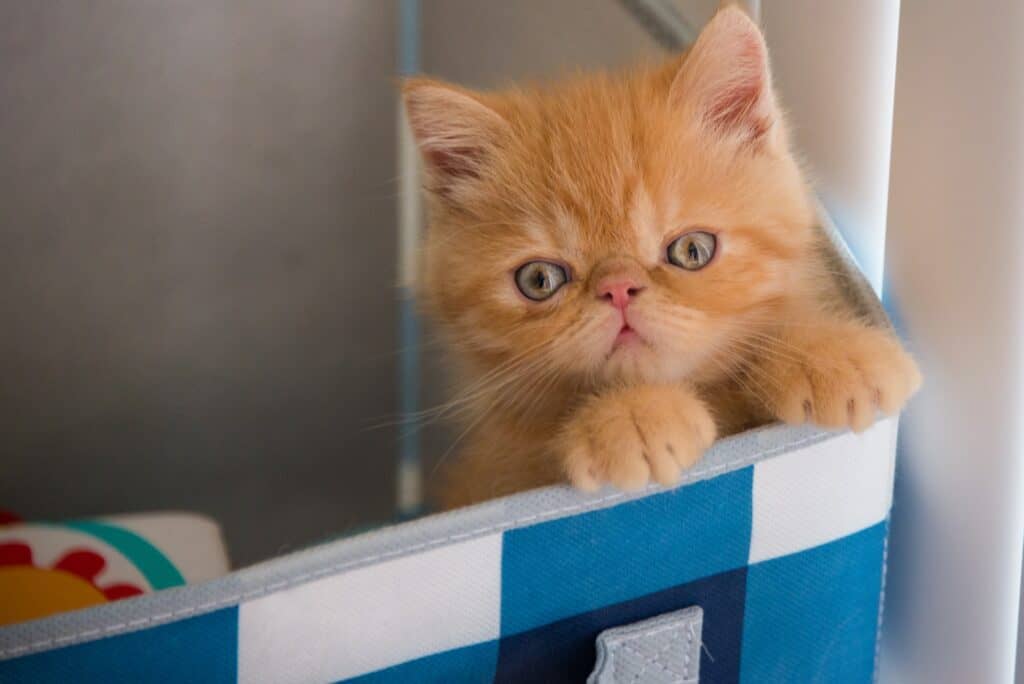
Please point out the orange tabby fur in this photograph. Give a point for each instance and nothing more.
(600, 173)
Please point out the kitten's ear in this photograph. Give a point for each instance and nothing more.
(725, 82)
(456, 133)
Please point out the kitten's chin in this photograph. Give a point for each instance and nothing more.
(635, 360)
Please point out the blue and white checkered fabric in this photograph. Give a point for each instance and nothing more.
(783, 550)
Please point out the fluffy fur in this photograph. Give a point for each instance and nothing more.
(600, 173)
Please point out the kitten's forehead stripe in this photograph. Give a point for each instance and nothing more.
(645, 223)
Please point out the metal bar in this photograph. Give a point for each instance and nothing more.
(409, 475)
(662, 21)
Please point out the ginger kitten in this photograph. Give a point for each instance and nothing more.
(626, 266)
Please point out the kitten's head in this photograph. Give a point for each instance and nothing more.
(613, 228)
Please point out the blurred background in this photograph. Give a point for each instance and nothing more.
(198, 290)
(198, 203)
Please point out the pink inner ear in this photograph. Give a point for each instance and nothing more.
(731, 107)
(734, 81)
(455, 162)
(737, 105)
(737, 109)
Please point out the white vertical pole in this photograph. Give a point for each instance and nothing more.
(955, 274)
(408, 476)
(835, 65)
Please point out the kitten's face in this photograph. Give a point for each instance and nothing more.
(614, 229)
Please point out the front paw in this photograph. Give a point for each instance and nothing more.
(628, 437)
(841, 378)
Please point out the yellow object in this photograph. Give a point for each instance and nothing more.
(31, 592)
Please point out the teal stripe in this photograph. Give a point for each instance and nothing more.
(158, 570)
(409, 32)
(408, 322)
(409, 391)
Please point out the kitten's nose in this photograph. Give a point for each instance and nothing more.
(618, 291)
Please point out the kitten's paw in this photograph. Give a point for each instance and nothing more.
(628, 437)
(842, 379)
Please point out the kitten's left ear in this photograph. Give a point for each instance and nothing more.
(725, 82)
(456, 132)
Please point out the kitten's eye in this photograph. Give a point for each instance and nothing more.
(538, 280)
(692, 251)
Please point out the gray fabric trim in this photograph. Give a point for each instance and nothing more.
(521, 510)
(662, 650)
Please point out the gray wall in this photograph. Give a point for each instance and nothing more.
(487, 44)
(195, 261)
(197, 207)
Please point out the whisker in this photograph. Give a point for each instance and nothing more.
(494, 403)
(736, 377)
(754, 347)
(492, 380)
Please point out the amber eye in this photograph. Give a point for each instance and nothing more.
(692, 251)
(538, 280)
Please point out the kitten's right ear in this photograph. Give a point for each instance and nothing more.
(455, 132)
(725, 81)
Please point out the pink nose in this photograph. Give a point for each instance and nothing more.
(618, 291)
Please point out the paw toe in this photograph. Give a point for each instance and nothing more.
(861, 410)
(796, 404)
(629, 473)
(664, 468)
(580, 469)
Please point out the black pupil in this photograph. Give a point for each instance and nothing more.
(540, 280)
(692, 251)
